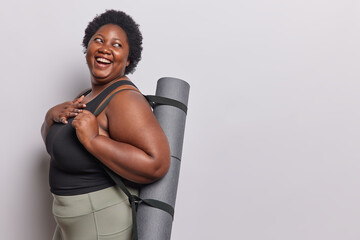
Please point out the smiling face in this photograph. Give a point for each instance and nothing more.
(107, 54)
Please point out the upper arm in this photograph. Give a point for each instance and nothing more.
(131, 120)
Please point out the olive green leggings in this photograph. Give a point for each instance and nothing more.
(100, 215)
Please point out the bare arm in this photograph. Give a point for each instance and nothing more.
(137, 148)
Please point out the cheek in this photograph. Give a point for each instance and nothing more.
(123, 55)
(88, 56)
(90, 50)
(122, 58)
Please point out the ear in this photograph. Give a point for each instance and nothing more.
(127, 62)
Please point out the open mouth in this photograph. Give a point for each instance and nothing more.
(102, 61)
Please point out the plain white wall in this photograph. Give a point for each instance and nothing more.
(272, 139)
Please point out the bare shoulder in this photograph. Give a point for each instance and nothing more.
(127, 98)
(130, 117)
(131, 120)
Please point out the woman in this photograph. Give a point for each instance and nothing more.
(125, 136)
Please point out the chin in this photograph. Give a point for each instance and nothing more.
(100, 75)
(101, 80)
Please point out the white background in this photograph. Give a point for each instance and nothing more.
(272, 139)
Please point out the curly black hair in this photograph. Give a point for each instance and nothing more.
(130, 27)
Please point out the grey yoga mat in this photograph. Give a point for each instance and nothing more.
(153, 223)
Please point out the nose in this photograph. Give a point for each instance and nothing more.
(104, 50)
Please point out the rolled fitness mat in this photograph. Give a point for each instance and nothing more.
(153, 223)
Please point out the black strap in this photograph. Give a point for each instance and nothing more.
(84, 93)
(102, 95)
(101, 108)
(112, 87)
(133, 199)
(157, 100)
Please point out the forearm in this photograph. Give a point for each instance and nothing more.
(126, 160)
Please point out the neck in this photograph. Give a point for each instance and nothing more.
(98, 86)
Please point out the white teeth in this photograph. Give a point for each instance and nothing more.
(102, 60)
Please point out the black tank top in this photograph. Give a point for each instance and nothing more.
(73, 170)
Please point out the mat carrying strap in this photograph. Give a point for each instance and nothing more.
(157, 100)
(133, 199)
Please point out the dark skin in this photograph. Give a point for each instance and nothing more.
(125, 136)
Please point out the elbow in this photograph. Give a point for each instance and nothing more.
(159, 169)
(163, 169)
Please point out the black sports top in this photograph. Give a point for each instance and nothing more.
(73, 170)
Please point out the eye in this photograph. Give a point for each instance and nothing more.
(117, 45)
(97, 40)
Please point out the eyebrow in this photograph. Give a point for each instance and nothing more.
(99, 34)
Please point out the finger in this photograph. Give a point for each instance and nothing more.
(63, 120)
(86, 112)
(77, 120)
(71, 114)
(80, 105)
(76, 110)
(79, 116)
(79, 100)
(74, 123)
(84, 116)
